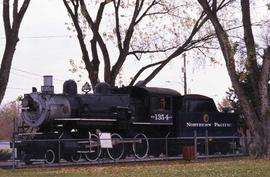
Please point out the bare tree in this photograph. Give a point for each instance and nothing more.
(12, 27)
(256, 107)
(131, 36)
(123, 34)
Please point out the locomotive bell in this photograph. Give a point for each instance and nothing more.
(86, 88)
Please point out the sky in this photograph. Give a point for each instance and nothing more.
(45, 48)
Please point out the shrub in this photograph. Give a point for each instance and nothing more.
(5, 154)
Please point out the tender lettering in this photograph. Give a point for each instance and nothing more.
(189, 124)
(215, 124)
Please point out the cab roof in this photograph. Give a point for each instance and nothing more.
(161, 91)
(135, 90)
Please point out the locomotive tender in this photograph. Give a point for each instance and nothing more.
(123, 121)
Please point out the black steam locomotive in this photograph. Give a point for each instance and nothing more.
(134, 120)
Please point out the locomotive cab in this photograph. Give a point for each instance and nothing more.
(154, 105)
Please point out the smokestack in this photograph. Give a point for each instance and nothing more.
(48, 80)
(47, 87)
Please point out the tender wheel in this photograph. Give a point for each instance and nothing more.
(117, 150)
(49, 156)
(94, 149)
(141, 146)
(75, 157)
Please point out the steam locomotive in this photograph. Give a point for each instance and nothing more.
(118, 122)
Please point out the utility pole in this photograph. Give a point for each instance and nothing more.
(185, 74)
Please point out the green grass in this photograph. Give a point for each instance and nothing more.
(217, 168)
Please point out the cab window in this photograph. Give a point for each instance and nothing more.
(161, 103)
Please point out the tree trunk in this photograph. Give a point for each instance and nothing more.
(260, 141)
(11, 32)
(268, 136)
(5, 67)
(255, 110)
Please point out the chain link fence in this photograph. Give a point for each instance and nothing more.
(28, 149)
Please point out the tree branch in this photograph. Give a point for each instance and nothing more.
(126, 44)
(15, 9)
(184, 47)
(6, 17)
(20, 15)
(249, 40)
(143, 69)
(117, 25)
(154, 2)
(151, 51)
(100, 14)
(97, 36)
(80, 36)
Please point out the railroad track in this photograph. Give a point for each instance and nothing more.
(101, 161)
(64, 163)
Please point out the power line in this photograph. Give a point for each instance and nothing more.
(43, 37)
(33, 78)
(26, 72)
(13, 88)
(34, 74)
(30, 77)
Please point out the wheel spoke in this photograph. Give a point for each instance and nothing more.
(94, 149)
(141, 146)
(117, 150)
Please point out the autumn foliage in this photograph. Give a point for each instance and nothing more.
(7, 115)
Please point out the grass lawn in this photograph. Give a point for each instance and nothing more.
(243, 167)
